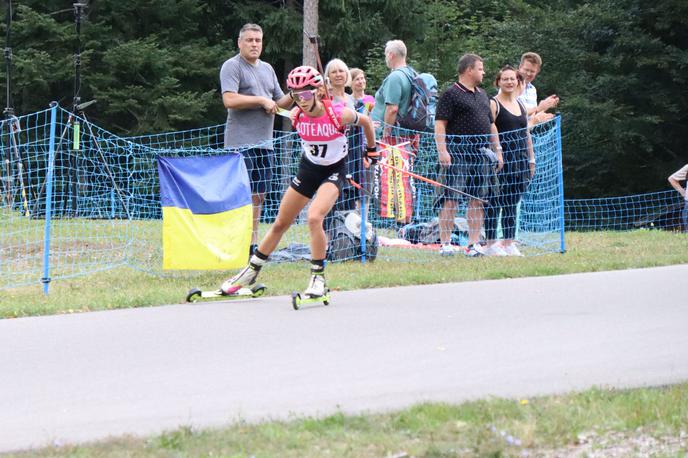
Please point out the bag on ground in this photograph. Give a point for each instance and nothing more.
(345, 238)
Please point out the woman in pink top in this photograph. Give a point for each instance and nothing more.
(322, 169)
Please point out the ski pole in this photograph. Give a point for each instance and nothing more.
(314, 39)
(365, 205)
(367, 192)
(428, 180)
(387, 146)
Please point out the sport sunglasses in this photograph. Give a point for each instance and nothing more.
(303, 96)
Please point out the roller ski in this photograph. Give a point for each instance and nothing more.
(317, 292)
(242, 284)
(256, 290)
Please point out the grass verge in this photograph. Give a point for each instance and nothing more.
(598, 422)
(122, 288)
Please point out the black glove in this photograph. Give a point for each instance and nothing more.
(372, 154)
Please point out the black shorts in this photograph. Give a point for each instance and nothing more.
(310, 176)
(259, 164)
(473, 173)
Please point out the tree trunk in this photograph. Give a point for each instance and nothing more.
(310, 28)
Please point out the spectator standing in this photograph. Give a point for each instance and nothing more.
(675, 180)
(511, 120)
(530, 66)
(392, 98)
(251, 94)
(391, 105)
(464, 110)
(338, 78)
(364, 102)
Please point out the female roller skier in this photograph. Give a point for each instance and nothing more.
(322, 169)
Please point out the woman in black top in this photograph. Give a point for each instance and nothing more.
(519, 161)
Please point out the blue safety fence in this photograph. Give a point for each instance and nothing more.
(76, 199)
(661, 210)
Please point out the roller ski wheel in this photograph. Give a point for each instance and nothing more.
(195, 294)
(297, 299)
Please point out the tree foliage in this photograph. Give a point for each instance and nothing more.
(619, 66)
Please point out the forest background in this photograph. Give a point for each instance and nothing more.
(620, 67)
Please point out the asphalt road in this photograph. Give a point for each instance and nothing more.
(74, 378)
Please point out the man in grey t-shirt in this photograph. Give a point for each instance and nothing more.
(252, 95)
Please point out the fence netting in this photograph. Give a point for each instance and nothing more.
(102, 195)
(661, 210)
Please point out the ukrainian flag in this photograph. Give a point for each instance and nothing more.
(206, 212)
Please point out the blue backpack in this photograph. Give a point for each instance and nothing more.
(420, 115)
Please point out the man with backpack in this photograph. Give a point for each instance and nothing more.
(404, 106)
(392, 99)
(405, 99)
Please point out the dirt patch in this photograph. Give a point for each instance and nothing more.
(617, 444)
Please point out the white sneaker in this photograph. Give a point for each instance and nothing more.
(247, 276)
(316, 287)
(447, 250)
(495, 250)
(475, 250)
(512, 250)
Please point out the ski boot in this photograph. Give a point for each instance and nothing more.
(316, 292)
(246, 277)
(238, 285)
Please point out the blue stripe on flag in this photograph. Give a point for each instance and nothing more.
(204, 184)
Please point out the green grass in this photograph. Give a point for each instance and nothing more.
(600, 420)
(121, 288)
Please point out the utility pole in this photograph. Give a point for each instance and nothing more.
(310, 29)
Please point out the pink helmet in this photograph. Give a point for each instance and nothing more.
(304, 76)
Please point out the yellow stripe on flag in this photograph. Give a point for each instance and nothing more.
(206, 242)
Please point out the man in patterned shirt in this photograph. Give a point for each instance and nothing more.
(463, 128)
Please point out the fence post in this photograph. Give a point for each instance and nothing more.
(364, 220)
(560, 166)
(49, 199)
(112, 203)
